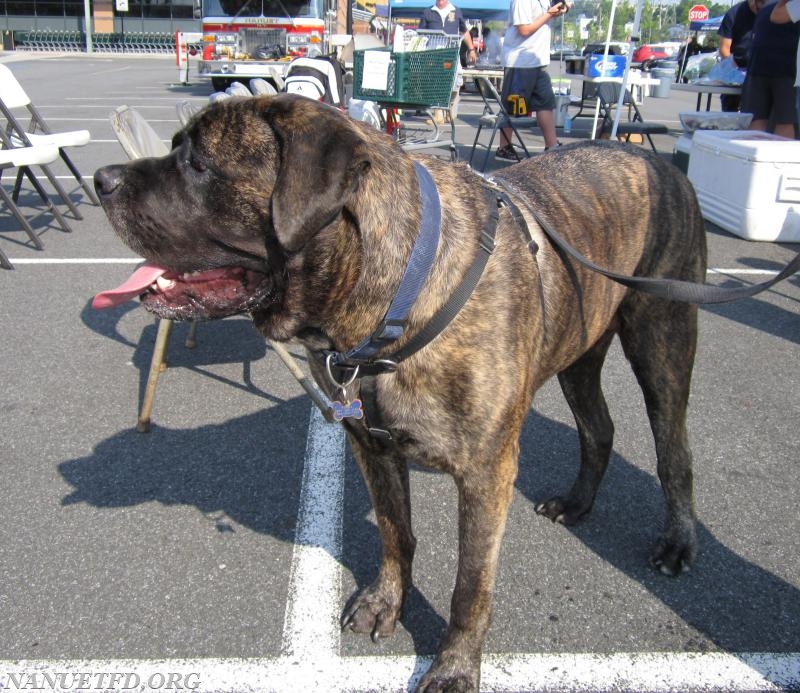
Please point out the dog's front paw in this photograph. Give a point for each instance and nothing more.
(374, 610)
(563, 510)
(449, 675)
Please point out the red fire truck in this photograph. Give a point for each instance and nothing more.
(243, 39)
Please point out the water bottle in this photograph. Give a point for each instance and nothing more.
(567, 124)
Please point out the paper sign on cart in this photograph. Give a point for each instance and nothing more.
(376, 70)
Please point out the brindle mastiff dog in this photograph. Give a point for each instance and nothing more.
(289, 210)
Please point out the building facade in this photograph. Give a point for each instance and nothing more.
(67, 15)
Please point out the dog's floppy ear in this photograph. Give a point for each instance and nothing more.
(322, 162)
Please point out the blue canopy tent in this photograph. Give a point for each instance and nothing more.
(710, 24)
(486, 10)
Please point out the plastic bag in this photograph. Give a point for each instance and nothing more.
(725, 72)
(698, 66)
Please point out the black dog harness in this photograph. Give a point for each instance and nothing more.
(361, 362)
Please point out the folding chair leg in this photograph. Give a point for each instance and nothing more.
(191, 337)
(521, 143)
(157, 364)
(89, 189)
(56, 186)
(474, 145)
(489, 148)
(46, 199)
(22, 221)
(5, 263)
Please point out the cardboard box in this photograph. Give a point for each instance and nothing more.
(611, 66)
(748, 182)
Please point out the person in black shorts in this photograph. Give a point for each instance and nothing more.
(768, 91)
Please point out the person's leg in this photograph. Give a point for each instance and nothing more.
(510, 79)
(797, 100)
(546, 120)
(756, 100)
(784, 107)
(543, 102)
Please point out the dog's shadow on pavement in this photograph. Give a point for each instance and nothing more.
(759, 313)
(734, 603)
(248, 470)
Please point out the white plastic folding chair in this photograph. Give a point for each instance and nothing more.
(136, 135)
(15, 158)
(13, 96)
(260, 86)
(238, 89)
(187, 110)
(140, 140)
(276, 75)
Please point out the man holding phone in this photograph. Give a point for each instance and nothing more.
(526, 55)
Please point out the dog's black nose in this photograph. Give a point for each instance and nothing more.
(107, 179)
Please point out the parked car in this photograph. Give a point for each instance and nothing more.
(650, 52)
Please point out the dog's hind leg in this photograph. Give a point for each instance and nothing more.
(581, 386)
(659, 338)
(376, 608)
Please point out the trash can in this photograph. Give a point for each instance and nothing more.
(562, 108)
(8, 41)
(665, 77)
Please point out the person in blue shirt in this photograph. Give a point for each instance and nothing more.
(443, 16)
(783, 12)
(735, 34)
(768, 91)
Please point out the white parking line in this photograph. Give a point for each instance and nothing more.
(740, 271)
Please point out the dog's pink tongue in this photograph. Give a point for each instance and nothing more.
(134, 286)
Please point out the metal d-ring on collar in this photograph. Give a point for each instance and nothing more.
(391, 328)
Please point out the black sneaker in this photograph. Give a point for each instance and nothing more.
(506, 153)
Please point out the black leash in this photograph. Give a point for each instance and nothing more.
(671, 289)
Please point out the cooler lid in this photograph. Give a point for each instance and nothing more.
(750, 145)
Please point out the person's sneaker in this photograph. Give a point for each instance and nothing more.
(506, 153)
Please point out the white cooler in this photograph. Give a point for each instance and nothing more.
(748, 182)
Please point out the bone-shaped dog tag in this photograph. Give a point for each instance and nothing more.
(347, 410)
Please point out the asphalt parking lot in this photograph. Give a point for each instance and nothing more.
(215, 552)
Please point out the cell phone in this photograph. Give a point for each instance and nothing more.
(556, 3)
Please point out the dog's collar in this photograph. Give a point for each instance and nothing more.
(393, 325)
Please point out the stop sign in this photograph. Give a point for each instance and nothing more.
(698, 13)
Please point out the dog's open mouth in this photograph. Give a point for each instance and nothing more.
(202, 295)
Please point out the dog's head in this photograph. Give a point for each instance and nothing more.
(248, 183)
